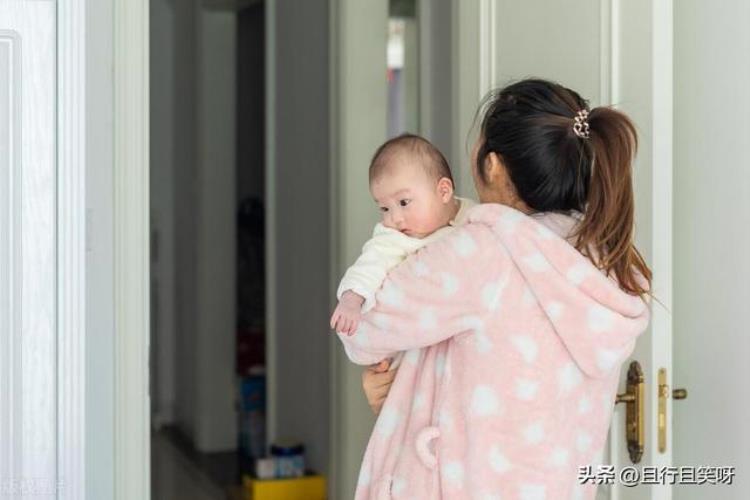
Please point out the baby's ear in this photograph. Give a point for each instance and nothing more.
(445, 189)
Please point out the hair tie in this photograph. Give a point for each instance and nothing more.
(581, 125)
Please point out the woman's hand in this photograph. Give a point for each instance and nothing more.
(376, 382)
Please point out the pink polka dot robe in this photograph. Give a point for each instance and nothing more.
(514, 342)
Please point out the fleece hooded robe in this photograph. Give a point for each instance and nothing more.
(515, 342)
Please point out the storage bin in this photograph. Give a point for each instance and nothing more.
(299, 488)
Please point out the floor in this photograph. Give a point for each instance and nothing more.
(180, 473)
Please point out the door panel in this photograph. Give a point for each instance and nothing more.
(712, 214)
(617, 53)
(557, 40)
(28, 419)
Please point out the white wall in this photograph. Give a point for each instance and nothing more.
(712, 214)
(216, 227)
(193, 221)
(300, 237)
(360, 127)
(163, 182)
(184, 155)
(251, 103)
(435, 85)
(359, 68)
(198, 139)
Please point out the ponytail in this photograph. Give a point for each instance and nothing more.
(561, 158)
(608, 227)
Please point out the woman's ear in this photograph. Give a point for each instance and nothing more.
(494, 169)
(445, 189)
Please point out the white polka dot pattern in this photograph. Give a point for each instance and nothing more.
(536, 262)
(527, 346)
(392, 295)
(387, 421)
(526, 389)
(498, 461)
(427, 319)
(600, 319)
(569, 377)
(577, 273)
(559, 457)
(491, 296)
(534, 433)
(533, 492)
(454, 473)
(465, 245)
(511, 344)
(484, 401)
(421, 270)
(450, 284)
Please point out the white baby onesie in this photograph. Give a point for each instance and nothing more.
(385, 250)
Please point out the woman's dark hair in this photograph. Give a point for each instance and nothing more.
(529, 125)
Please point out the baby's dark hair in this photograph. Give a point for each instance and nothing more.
(532, 126)
(430, 157)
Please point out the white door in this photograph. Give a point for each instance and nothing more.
(712, 244)
(42, 249)
(28, 321)
(616, 53)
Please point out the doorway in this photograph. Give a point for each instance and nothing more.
(239, 273)
(207, 245)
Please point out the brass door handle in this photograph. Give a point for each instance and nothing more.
(625, 398)
(634, 399)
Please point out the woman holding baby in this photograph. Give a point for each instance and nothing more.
(511, 322)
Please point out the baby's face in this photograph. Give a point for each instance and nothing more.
(410, 200)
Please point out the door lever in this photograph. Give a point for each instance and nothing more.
(634, 411)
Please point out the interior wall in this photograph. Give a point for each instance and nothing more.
(216, 234)
(193, 221)
(188, 144)
(360, 65)
(162, 181)
(300, 204)
(184, 155)
(251, 102)
(711, 241)
(360, 127)
(436, 60)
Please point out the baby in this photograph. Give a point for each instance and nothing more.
(412, 185)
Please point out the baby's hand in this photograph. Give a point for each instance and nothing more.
(345, 318)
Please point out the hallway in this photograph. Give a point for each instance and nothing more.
(174, 477)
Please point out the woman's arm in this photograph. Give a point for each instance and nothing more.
(447, 287)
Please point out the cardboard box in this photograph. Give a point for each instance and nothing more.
(298, 488)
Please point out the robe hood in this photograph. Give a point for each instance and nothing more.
(595, 319)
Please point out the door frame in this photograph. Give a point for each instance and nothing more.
(132, 464)
(71, 279)
(131, 209)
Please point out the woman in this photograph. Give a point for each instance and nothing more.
(516, 325)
